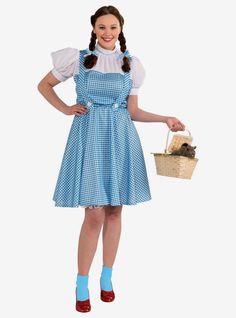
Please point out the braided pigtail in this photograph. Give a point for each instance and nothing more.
(91, 60)
(126, 64)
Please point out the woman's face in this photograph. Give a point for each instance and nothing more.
(107, 28)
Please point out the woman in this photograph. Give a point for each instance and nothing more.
(103, 166)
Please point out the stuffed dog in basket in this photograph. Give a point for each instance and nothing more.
(185, 150)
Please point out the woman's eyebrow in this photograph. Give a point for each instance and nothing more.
(104, 25)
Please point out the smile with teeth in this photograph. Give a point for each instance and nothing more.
(107, 39)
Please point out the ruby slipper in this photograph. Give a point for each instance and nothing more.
(107, 296)
(82, 305)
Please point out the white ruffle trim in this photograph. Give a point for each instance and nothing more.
(93, 206)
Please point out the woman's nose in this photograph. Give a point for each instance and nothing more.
(107, 32)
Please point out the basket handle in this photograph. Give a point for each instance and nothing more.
(167, 139)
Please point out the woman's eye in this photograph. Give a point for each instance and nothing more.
(104, 28)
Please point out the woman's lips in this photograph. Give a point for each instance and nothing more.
(107, 39)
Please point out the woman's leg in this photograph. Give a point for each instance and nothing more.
(111, 237)
(89, 234)
(111, 233)
(87, 246)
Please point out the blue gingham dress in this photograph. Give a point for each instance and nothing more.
(103, 161)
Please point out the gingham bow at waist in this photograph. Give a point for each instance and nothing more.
(115, 105)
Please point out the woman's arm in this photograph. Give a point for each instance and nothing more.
(45, 87)
(138, 114)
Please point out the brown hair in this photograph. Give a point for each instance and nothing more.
(91, 59)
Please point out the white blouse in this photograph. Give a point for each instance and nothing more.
(66, 65)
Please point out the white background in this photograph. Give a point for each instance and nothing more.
(177, 252)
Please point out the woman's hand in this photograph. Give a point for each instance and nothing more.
(76, 109)
(174, 124)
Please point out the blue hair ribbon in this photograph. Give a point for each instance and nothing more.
(89, 52)
(125, 54)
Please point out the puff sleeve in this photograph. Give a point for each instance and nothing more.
(64, 61)
(137, 75)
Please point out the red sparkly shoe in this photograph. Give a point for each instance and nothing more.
(107, 296)
(82, 305)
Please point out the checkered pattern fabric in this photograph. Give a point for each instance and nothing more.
(103, 161)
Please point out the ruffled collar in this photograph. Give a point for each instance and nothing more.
(105, 51)
(101, 51)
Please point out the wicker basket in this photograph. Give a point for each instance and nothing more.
(172, 165)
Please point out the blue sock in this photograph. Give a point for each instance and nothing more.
(105, 279)
(82, 287)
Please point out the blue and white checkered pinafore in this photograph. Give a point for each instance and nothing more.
(103, 162)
